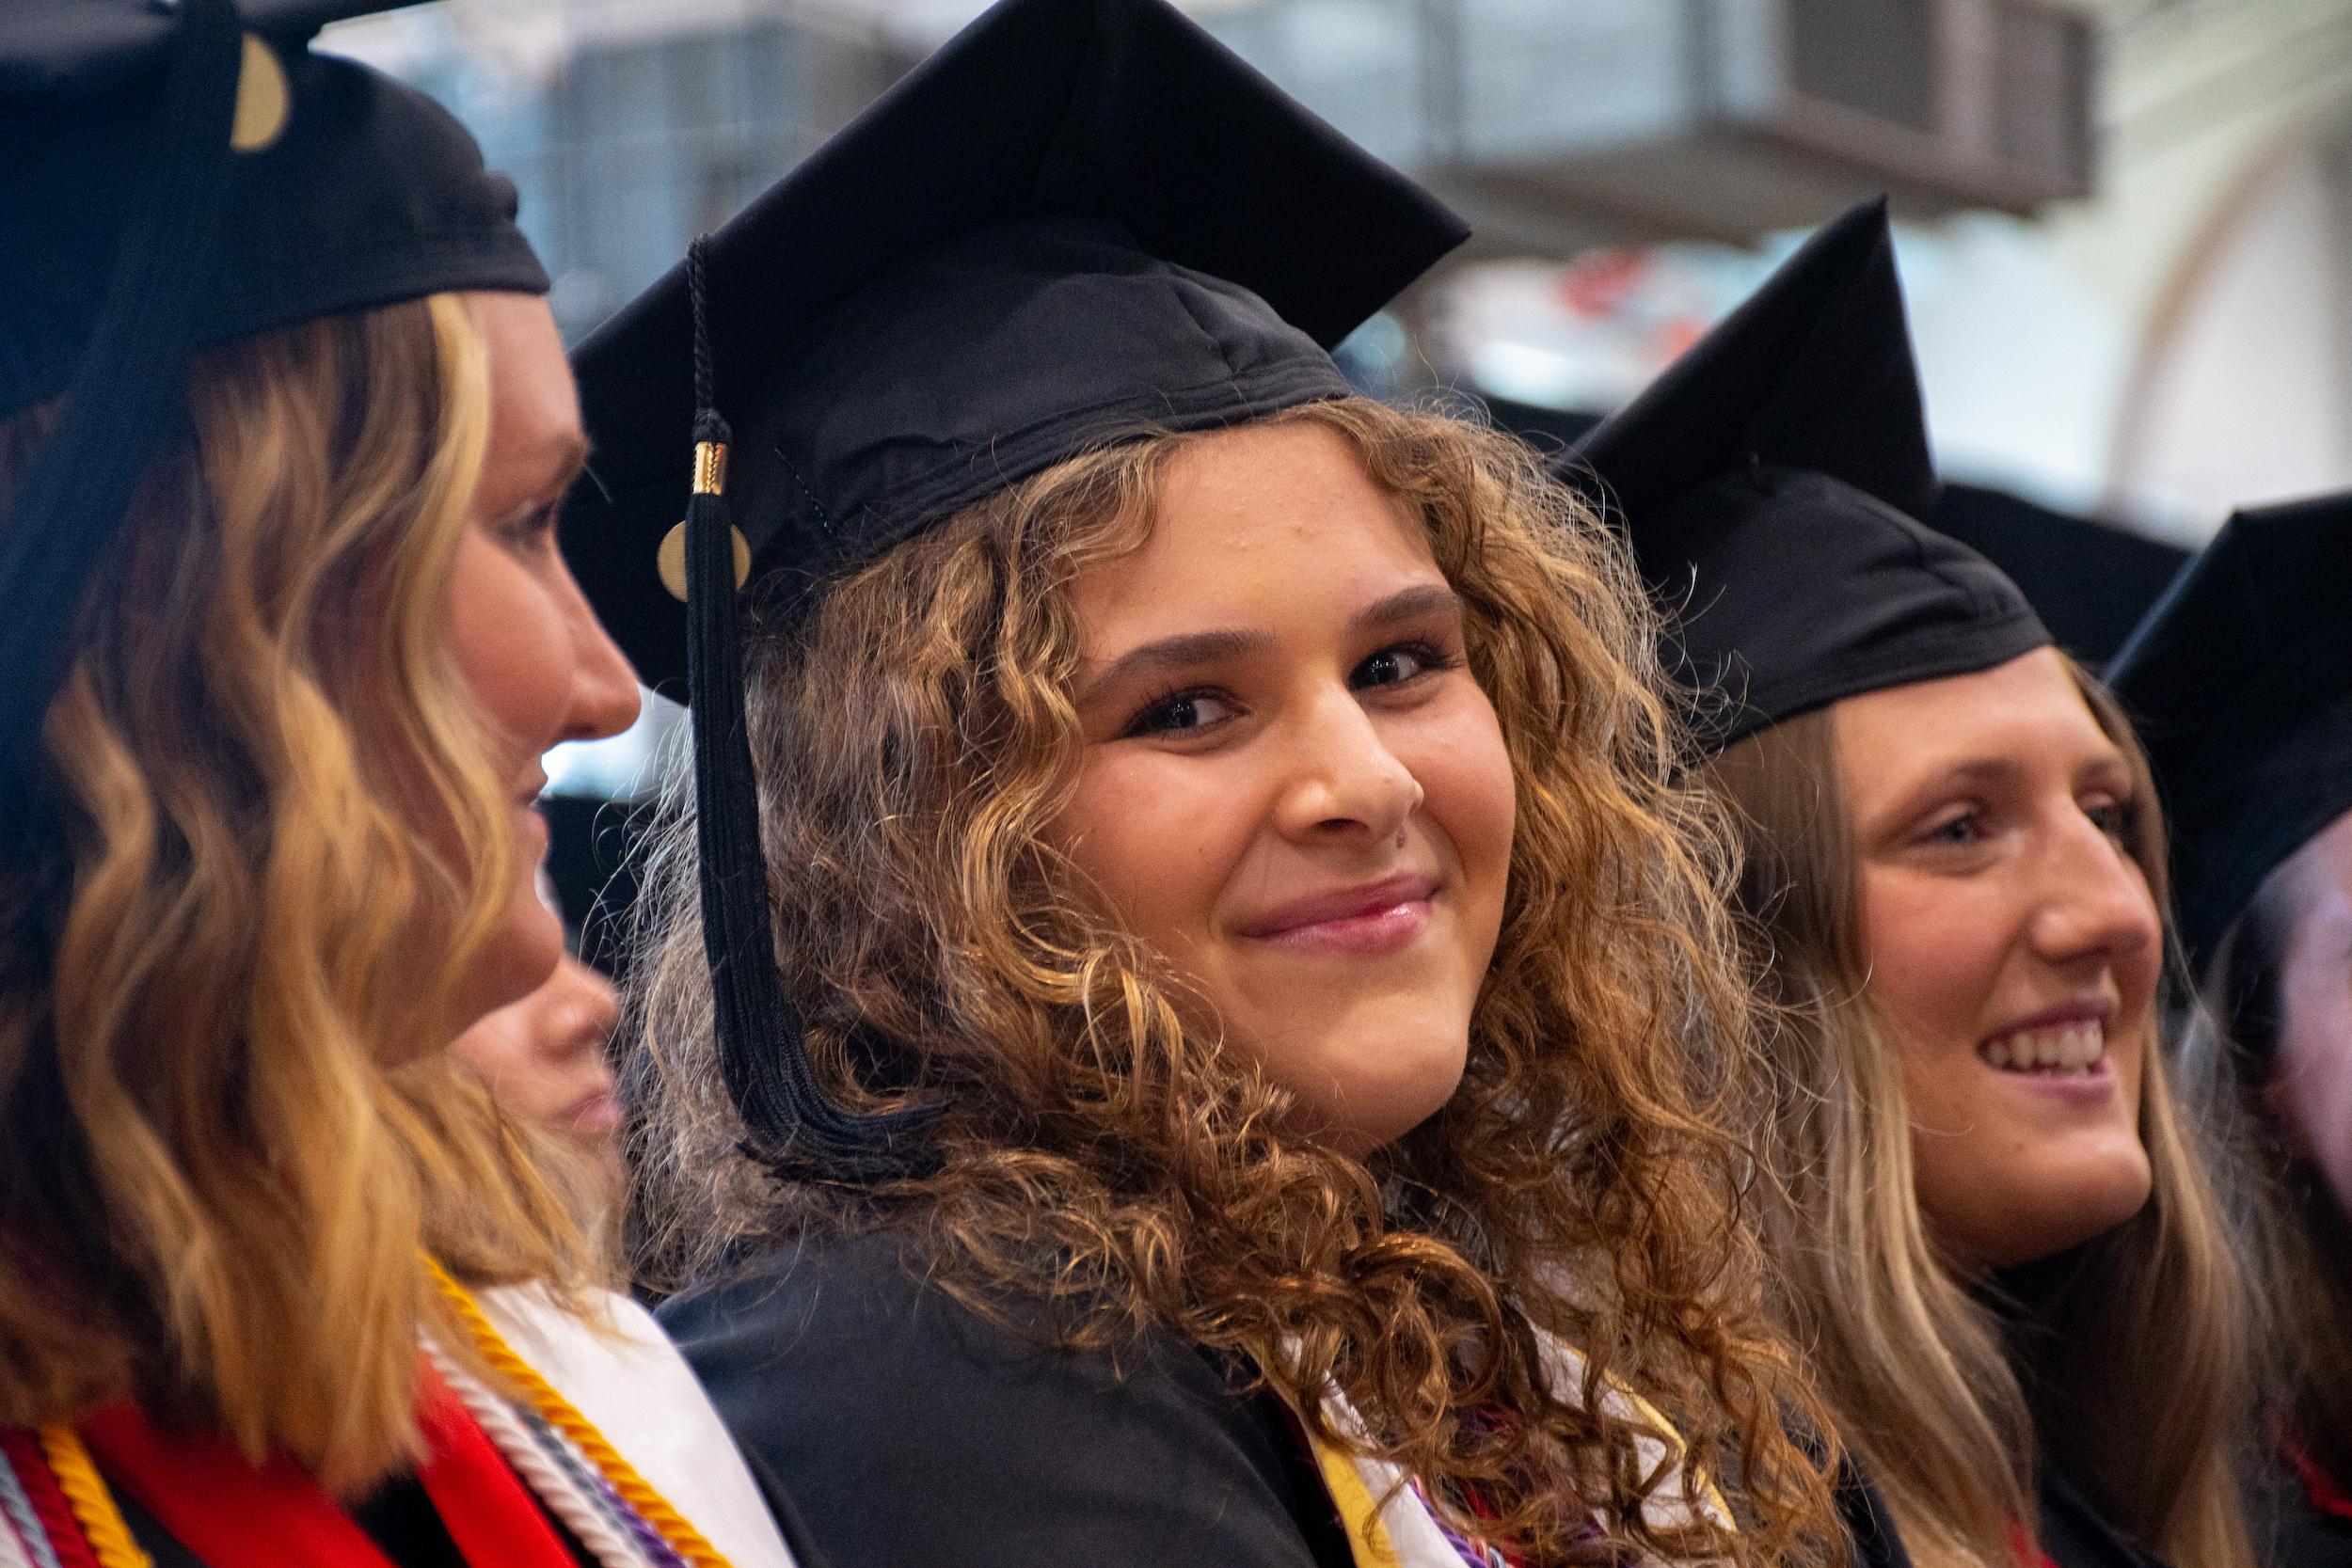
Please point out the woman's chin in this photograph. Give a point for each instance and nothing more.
(1376, 1090)
(2062, 1212)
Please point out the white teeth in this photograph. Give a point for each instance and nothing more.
(2073, 1049)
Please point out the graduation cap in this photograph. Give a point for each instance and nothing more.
(2240, 683)
(1549, 430)
(179, 175)
(1079, 222)
(2089, 581)
(1771, 481)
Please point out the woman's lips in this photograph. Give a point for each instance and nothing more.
(2062, 1051)
(593, 1115)
(1365, 921)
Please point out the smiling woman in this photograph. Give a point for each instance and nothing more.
(1258, 998)
(2010, 933)
(2046, 1220)
(1342, 975)
(2003, 1242)
(1329, 833)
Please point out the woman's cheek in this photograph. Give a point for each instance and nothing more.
(510, 642)
(1930, 968)
(1469, 786)
(1149, 830)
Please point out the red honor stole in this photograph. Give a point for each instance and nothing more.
(2319, 1487)
(2028, 1555)
(232, 1515)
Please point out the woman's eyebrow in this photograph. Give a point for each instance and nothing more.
(1408, 604)
(2105, 762)
(1967, 773)
(1176, 653)
(565, 456)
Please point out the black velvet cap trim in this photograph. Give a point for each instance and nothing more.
(373, 194)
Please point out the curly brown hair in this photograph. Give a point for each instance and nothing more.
(1115, 1167)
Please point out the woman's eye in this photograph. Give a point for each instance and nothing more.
(1178, 713)
(2112, 817)
(1397, 665)
(1967, 828)
(530, 530)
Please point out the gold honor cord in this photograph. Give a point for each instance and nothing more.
(109, 1536)
(553, 1408)
(94, 1510)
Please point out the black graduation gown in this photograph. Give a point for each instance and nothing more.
(1872, 1539)
(2076, 1535)
(2301, 1536)
(918, 1433)
(2295, 1531)
(914, 1434)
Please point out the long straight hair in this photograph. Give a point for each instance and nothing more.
(225, 977)
(2128, 1363)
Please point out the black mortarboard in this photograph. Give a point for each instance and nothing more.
(2240, 683)
(1771, 482)
(2089, 581)
(1078, 222)
(175, 177)
(1549, 430)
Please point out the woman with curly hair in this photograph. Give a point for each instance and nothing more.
(2001, 1234)
(283, 426)
(1223, 1013)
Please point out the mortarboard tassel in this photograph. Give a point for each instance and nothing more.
(759, 1040)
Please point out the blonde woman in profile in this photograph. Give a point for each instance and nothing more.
(1239, 1088)
(2003, 1245)
(283, 424)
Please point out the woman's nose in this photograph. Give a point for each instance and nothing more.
(2095, 902)
(604, 698)
(588, 1010)
(1345, 780)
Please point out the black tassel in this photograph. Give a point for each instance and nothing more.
(761, 1050)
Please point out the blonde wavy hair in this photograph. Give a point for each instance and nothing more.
(2129, 1362)
(227, 973)
(1112, 1168)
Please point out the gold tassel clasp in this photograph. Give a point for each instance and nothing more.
(710, 468)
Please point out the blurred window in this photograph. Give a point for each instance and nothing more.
(1876, 56)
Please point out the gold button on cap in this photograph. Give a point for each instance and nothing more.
(264, 100)
(670, 559)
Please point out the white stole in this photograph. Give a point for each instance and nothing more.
(621, 1373)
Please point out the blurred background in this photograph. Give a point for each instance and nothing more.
(2126, 225)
